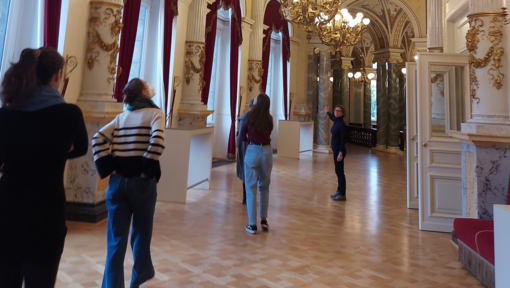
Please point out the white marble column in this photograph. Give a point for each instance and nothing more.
(85, 191)
(180, 49)
(192, 112)
(244, 67)
(435, 24)
(486, 137)
(255, 71)
(488, 64)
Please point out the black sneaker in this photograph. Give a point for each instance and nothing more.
(251, 229)
(336, 194)
(340, 198)
(264, 225)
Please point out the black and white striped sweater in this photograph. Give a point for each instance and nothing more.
(131, 144)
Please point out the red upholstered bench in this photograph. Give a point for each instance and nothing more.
(475, 238)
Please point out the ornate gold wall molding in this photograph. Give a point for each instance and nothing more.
(439, 79)
(494, 53)
(195, 50)
(255, 68)
(95, 39)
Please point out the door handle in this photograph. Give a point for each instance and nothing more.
(424, 144)
(412, 138)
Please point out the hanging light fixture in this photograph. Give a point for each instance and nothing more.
(343, 30)
(309, 14)
(361, 76)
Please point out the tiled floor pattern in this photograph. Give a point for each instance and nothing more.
(372, 240)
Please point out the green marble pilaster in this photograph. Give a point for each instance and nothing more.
(323, 121)
(382, 105)
(344, 94)
(367, 105)
(345, 87)
(393, 105)
(337, 91)
(402, 101)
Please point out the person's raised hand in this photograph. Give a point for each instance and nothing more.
(326, 109)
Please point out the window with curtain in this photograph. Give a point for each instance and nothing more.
(136, 64)
(212, 89)
(270, 76)
(373, 90)
(4, 16)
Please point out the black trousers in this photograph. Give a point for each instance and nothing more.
(35, 264)
(37, 272)
(339, 170)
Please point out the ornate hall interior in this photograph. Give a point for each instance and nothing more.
(427, 105)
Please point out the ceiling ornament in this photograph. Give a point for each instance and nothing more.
(343, 30)
(309, 14)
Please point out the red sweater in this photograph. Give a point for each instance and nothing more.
(254, 137)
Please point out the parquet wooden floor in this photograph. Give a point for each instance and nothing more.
(372, 240)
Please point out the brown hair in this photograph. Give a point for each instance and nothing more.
(133, 89)
(343, 110)
(34, 68)
(259, 118)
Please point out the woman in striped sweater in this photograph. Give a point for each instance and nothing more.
(128, 149)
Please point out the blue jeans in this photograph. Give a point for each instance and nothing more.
(128, 198)
(258, 163)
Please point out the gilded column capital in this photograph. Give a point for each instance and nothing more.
(390, 55)
(346, 62)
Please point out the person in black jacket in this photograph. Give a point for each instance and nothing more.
(338, 139)
(38, 133)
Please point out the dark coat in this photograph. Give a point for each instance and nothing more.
(241, 147)
(34, 148)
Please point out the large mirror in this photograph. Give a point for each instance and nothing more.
(448, 98)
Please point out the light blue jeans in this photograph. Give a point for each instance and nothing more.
(258, 163)
(129, 200)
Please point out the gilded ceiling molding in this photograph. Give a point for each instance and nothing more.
(494, 53)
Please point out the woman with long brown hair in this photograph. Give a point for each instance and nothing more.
(38, 133)
(258, 160)
(128, 150)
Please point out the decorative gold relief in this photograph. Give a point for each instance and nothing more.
(255, 68)
(495, 36)
(192, 52)
(96, 40)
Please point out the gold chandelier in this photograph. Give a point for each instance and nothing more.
(361, 76)
(309, 14)
(343, 30)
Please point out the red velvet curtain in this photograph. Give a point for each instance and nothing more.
(210, 41)
(127, 44)
(236, 39)
(275, 21)
(52, 9)
(169, 14)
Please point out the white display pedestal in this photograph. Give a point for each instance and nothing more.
(294, 137)
(186, 163)
(501, 248)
